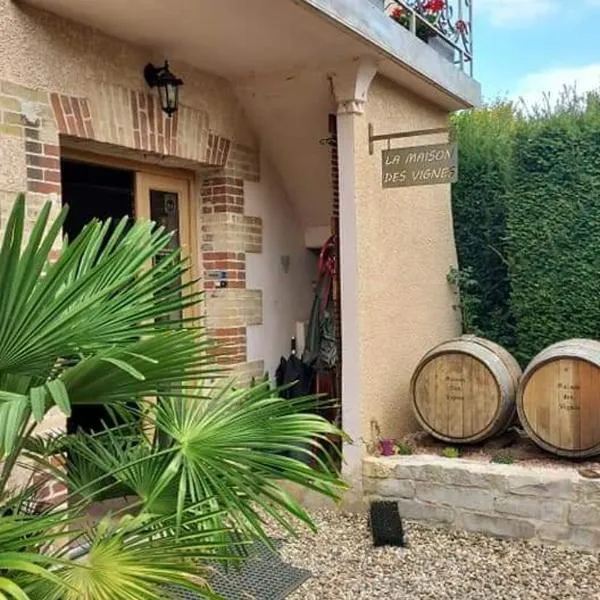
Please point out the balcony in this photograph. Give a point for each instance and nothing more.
(445, 25)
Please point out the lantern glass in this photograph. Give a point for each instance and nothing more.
(167, 84)
(172, 96)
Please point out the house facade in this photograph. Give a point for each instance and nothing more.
(245, 170)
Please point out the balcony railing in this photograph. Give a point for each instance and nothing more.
(446, 25)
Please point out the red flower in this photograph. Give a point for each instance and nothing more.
(397, 13)
(461, 26)
(434, 6)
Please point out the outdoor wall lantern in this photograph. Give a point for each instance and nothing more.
(167, 84)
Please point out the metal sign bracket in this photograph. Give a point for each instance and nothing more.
(396, 136)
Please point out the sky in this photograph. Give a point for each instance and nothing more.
(524, 48)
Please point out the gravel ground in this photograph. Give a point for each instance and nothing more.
(438, 564)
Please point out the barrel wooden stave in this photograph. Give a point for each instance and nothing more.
(463, 390)
(558, 400)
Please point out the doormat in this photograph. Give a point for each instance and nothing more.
(263, 576)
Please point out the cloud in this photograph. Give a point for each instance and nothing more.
(534, 86)
(517, 13)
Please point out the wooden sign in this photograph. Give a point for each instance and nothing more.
(420, 165)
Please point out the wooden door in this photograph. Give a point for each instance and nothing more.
(166, 200)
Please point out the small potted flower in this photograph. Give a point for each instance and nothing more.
(387, 447)
(402, 16)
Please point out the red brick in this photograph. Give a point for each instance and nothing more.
(51, 175)
(134, 110)
(43, 187)
(36, 160)
(144, 130)
(89, 128)
(85, 109)
(151, 126)
(66, 105)
(174, 126)
(160, 119)
(216, 181)
(78, 117)
(49, 149)
(168, 133)
(58, 113)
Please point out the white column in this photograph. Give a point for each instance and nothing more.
(350, 85)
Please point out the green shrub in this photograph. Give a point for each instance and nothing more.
(451, 452)
(553, 228)
(404, 449)
(479, 209)
(503, 458)
(527, 222)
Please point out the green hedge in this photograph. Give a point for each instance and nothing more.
(479, 210)
(553, 229)
(527, 223)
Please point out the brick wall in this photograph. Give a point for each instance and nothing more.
(29, 149)
(227, 236)
(32, 121)
(31, 125)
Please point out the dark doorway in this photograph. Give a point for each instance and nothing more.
(93, 192)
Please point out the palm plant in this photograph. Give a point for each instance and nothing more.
(202, 463)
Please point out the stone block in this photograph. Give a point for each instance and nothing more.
(543, 485)
(584, 537)
(9, 103)
(551, 532)
(471, 498)
(498, 526)
(420, 511)
(390, 488)
(377, 468)
(585, 514)
(463, 477)
(13, 171)
(589, 491)
(416, 472)
(230, 307)
(543, 510)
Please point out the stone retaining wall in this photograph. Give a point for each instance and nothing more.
(550, 505)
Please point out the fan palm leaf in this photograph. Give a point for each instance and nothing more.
(91, 327)
(234, 449)
(108, 324)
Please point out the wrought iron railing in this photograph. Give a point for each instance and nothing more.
(447, 24)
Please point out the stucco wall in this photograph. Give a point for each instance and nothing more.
(287, 296)
(42, 51)
(405, 250)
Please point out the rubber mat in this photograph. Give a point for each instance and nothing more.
(264, 576)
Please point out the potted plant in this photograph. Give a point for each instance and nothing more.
(429, 11)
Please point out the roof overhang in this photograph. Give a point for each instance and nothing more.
(242, 38)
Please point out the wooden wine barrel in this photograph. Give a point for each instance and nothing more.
(559, 398)
(463, 391)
